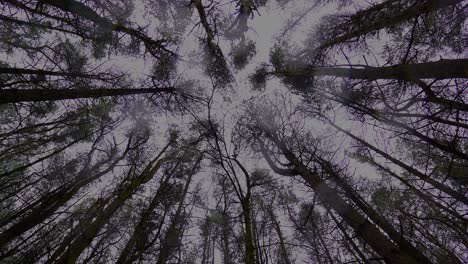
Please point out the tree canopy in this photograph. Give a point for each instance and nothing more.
(243, 131)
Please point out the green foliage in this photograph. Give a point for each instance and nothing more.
(386, 199)
(71, 56)
(60, 170)
(261, 177)
(308, 217)
(361, 94)
(164, 71)
(215, 65)
(443, 166)
(242, 53)
(43, 109)
(292, 70)
(258, 79)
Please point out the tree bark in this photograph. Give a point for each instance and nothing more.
(421, 117)
(449, 148)
(75, 231)
(217, 63)
(38, 25)
(225, 239)
(413, 73)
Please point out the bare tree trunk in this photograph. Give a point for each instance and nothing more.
(381, 222)
(454, 194)
(38, 95)
(349, 239)
(446, 147)
(83, 11)
(48, 205)
(277, 227)
(124, 192)
(418, 192)
(217, 63)
(383, 15)
(139, 237)
(91, 212)
(249, 236)
(79, 9)
(225, 239)
(421, 117)
(413, 73)
(442, 69)
(22, 71)
(172, 238)
(205, 253)
(366, 230)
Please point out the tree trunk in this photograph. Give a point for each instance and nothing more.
(421, 117)
(383, 16)
(366, 230)
(217, 65)
(38, 95)
(51, 202)
(454, 194)
(37, 25)
(418, 192)
(206, 243)
(172, 238)
(441, 69)
(225, 239)
(277, 227)
(446, 147)
(249, 236)
(32, 163)
(397, 238)
(139, 236)
(349, 239)
(22, 71)
(90, 213)
(123, 193)
(80, 10)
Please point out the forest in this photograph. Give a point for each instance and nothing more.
(234, 131)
